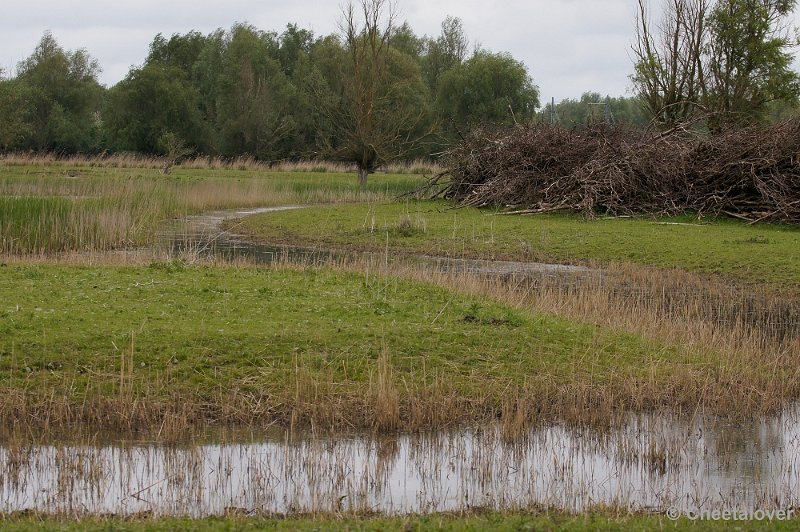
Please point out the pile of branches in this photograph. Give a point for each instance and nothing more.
(752, 172)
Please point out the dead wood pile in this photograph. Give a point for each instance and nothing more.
(751, 173)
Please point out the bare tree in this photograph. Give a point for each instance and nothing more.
(174, 149)
(720, 60)
(669, 75)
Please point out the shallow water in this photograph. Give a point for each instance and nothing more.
(651, 463)
(202, 235)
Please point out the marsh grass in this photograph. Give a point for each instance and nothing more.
(245, 162)
(474, 520)
(57, 206)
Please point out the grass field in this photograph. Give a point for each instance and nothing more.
(502, 522)
(296, 343)
(127, 347)
(727, 247)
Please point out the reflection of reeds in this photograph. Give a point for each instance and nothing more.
(648, 464)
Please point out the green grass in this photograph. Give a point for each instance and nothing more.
(728, 247)
(317, 342)
(503, 522)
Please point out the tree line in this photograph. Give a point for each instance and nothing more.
(375, 86)
(377, 91)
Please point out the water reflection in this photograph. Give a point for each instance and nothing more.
(650, 463)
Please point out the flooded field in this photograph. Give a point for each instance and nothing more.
(202, 235)
(646, 463)
(650, 463)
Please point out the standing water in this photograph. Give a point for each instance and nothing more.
(650, 463)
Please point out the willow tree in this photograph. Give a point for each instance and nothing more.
(62, 98)
(749, 59)
(375, 104)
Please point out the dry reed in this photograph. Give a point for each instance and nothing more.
(242, 162)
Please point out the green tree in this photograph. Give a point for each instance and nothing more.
(488, 87)
(406, 41)
(445, 52)
(256, 99)
(62, 96)
(749, 59)
(14, 126)
(150, 102)
(294, 49)
(180, 51)
(207, 75)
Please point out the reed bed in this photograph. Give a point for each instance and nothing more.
(200, 162)
(56, 208)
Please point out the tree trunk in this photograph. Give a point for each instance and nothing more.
(363, 173)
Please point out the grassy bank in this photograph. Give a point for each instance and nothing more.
(53, 206)
(492, 521)
(727, 247)
(168, 347)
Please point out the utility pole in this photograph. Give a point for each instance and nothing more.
(608, 116)
(553, 113)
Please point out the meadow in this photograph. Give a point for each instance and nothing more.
(101, 331)
(126, 348)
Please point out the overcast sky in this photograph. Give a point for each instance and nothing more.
(568, 46)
